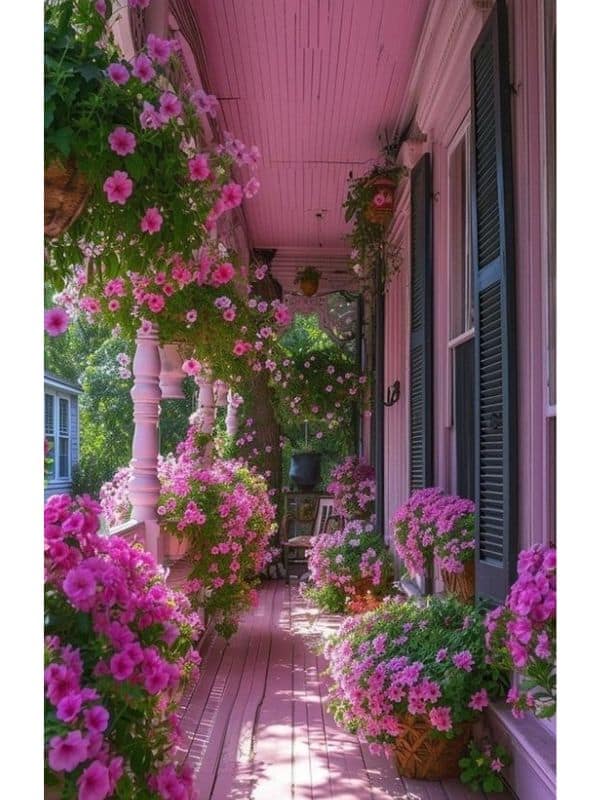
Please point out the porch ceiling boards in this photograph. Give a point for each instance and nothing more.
(312, 83)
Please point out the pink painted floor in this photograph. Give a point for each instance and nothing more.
(256, 726)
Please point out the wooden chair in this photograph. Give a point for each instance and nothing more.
(300, 544)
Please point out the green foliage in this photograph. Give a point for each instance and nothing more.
(480, 769)
(328, 598)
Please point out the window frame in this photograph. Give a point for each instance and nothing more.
(54, 477)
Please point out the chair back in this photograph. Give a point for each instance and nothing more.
(324, 512)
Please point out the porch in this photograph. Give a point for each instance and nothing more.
(256, 726)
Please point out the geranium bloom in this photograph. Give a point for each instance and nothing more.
(143, 69)
(199, 168)
(151, 221)
(122, 141)
(158, 49)
(170, 105)
(118, 187)
(56, 321)
(118, 74)
(66, 752)
(223, 274)
(94, 783)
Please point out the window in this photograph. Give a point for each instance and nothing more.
(57, 429)
(461, 299)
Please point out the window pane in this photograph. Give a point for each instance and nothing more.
(63, 457)
(460, 266)
(63, 417)
(49, 414)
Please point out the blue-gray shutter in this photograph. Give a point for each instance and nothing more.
(421, 326)
(495, 310)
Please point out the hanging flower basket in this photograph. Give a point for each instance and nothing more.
(424, 755)
(461, 584)
(308, 280)
(66, 193)
(381, 207)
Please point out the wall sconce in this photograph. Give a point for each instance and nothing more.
(393, 394)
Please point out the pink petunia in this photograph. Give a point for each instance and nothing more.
(251, 188)
(223, 274)
(122, 141)
(118, 187)
(118, 74)
(80, 586)
(69, 707)
(191, 315)
(100, 6)
(149, 117)
(170, 105)
(114, 305)
(121, 666)
(143, 69)
(199, 168)
(96, 719)
(56, 321)
(191, 366)
(232, 194)
(479, 700)
(66, 752)
(94, 782)
(204, 103)
(440, 718)
(151, 221)
(229, 314)
(159, 49)
(156, 303)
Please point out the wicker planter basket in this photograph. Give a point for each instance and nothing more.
(461, 585)
(383, 188)
(65, 196)
(423, 755)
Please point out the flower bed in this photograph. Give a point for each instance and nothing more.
(405, 665)
(119, 649)
(223, 512)
(432, 527)
(521, 634)
(346, 563)
(353, 488)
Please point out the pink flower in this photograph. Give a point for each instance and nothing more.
(69, 707)
(463, 660)
(232, 194)
(80, 586)
(158, 49)
(156, 302)
(223, 274)
(122, 141)
(121, 666)
(56, 321)
(440, 718)
(191, 316)
(143, 69)
(170, 105)
(94, 783)
(251, 188)
(496, 765)
(204, 103)
(151, 221)
(96, 719)
(199, 168)
(239, 348)
(113, 305)
(118, 74)
(118, 187)
(229, 314)
(149, 118)
(66, 752)
(479, 700)
(282, 315)
(100, 6)
(191, 366)
(146, 327)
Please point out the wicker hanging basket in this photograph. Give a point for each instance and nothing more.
(462, 584)
(66, 193)
(381, 207)
(423, 755)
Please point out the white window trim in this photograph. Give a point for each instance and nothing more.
(55, 479)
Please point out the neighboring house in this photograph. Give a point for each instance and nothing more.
(61, 429)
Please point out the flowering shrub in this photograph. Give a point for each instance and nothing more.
(481, 769)
(408, 659)
(119, 647)
(341, 562)
(521, 634)
(139, 142)
(224, 512)
(434, 526)
(352, 485)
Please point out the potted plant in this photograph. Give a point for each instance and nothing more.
(521, 634)
(411, 678)
(132, 145)
(435, 528)
(308, 278)
(350, 564)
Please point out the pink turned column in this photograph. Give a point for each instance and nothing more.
(231, 419)
(144, 486)
(207, 410)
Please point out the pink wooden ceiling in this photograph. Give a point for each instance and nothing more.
(312, 83)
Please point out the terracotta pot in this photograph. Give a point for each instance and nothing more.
(381, 207)
(422, 754)
(66, 193)
(308, 286)
(462, 584)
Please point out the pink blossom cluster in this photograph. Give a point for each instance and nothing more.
(521, 634)
(344, 558)
(432, 526)
(118, 637)
(385, 669)
(352, 485)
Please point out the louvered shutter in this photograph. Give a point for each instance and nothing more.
(421, 327)
(495, 324)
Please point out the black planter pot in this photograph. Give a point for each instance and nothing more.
(305, 470)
